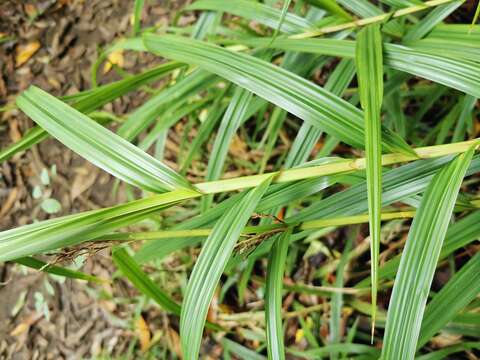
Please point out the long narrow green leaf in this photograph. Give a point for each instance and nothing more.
(90, 100)
(398, 184)
(261, 13)
(170, 119)
(206, 128)
(241, 351)
(369, 63)
(432, 66)
(454, 296)
(283, 88)
(230, 123)
(443, 353)
(324, 351)
(137, 16)
(419, 260)
(34, 263)
(475, 18)
(209, 267)
(281, 20)
(365, 9)
(97, 144)
(142, 282)
(456, 32)
(460, 234)
(423, 27)
(332, 7)
(308, 135)
(273, 296)
(461, 48)
(465, 118)
(74, 229)
(206, 24)
(466, 323)
(144, 115)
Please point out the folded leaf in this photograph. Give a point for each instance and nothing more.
(369, 63)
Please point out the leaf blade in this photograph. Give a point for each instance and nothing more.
(369, 63)
(273, 296)
(209, 267)
(105, 149)
(302, 98)
(142, 282)
(73, 229)
(419, 259)
(453, 297)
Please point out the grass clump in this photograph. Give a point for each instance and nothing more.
(321, 111)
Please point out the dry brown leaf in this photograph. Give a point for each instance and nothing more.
(83, 180)
(174, 342)
(25, 325)
(143, 333)
(7, 205)
(444, 339)
(25, 52)
(55, 83)
(31, 10)
(238, 148)
(14, 133)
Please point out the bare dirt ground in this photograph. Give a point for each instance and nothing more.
(52, 44)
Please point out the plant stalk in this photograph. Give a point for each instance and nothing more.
(369, 20)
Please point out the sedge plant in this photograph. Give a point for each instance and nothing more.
(361, 121)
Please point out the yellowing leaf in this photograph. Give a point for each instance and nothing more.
(25, 52)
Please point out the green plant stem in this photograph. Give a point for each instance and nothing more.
(370, 20)
(215, 187)
(248, 230)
